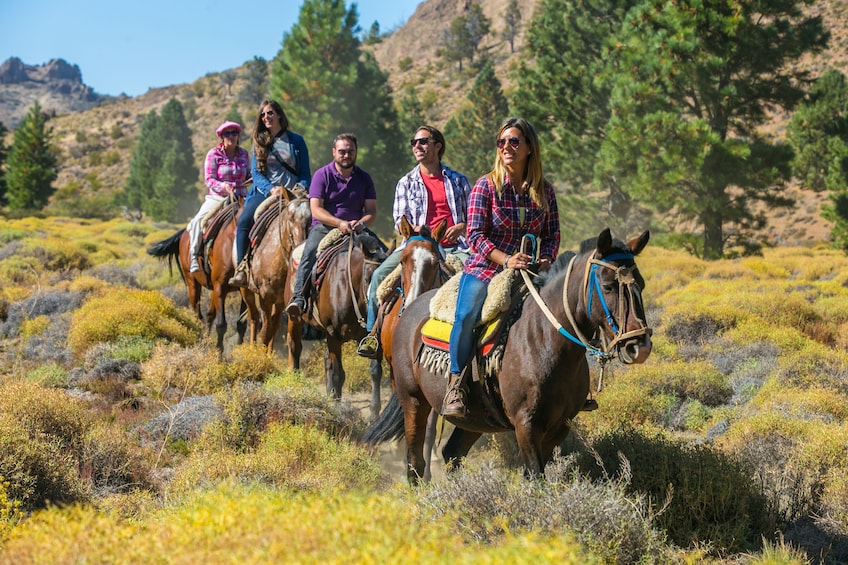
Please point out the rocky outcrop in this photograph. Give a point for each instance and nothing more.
(56, 85)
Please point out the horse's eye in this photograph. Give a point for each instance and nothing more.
(608, 287)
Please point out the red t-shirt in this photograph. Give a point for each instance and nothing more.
(437, 203)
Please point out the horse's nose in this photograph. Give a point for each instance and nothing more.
(635, 351)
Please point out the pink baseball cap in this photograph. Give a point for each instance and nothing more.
(227, 125)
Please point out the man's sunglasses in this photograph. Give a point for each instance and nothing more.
(514, 142)
(425, 141)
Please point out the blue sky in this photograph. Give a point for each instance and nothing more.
(130, 46)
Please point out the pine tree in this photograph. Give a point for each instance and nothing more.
(819, 133)
(163, 176)
(512, 23)
(667, 99)
(470, 133)
(31, 165)
(328, 84)
(3, 132)
(410, 112)
(255, 87)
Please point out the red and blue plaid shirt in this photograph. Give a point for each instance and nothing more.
(495, 222)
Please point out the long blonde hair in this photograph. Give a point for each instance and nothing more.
(534, 179)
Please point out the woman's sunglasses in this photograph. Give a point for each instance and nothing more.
(269, 113)
(230, 133)
(514, 142)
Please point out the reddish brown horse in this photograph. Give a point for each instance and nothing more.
(215, 275)
(265, 295)
(543, 378)
(338, 310)
(421, 269)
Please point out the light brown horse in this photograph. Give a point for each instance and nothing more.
(543, 377)
(265, 294)
(338, 310)
(220, 268)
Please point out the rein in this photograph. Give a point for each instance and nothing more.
(356, 309)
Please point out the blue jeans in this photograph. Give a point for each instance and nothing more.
(379, 275)
(308, 259)
(245, 222)
(469, 306)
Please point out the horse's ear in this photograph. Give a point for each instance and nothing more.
(439, 232)
(637, 244)
(393, 247)
(604, 244)
(405, 229)
(287, 194)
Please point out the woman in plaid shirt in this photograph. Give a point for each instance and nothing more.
(225, 170)
(514, 199)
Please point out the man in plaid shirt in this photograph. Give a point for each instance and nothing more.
(426, 195)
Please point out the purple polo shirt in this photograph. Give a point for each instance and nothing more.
(343, 198)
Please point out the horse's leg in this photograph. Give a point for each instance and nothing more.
(249, 300)
(458, 445)
(376, 370)
(241, 323)
(272, 324)
(429, 442)
(333, 367)
(219, 299)
(529, 445)
(194, 291)
(294, 342)
(415, 422)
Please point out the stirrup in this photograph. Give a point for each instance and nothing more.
(368, 346)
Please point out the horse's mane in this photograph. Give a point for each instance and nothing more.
(561, 263)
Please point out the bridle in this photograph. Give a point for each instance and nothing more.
(436, 275)
(591, 286)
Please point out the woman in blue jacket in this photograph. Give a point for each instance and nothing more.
(280, 159)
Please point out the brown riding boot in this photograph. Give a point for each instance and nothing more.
(240, 278)
(454, 403)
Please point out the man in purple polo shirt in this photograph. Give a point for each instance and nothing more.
(341, 195)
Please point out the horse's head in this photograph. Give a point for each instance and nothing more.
(613, 296)
(420, 259)
(297, 217)
(372, 248)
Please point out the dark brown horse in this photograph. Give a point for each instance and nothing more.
(543, 379)
(265, 295)
(220, 268)
(338, 310)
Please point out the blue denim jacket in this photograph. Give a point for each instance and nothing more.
(261, 183)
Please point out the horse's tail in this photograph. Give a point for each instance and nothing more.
(169, 248)
(388, 426)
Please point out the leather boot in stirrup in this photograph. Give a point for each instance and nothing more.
(454, 403)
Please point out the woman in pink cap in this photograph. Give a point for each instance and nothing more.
(225, 172)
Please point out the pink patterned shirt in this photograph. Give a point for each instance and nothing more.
(219, 168)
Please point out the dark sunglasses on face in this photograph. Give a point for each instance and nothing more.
(230, 133)
(514, 142)
(344, 152)
(268, 114)
(425, 141)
